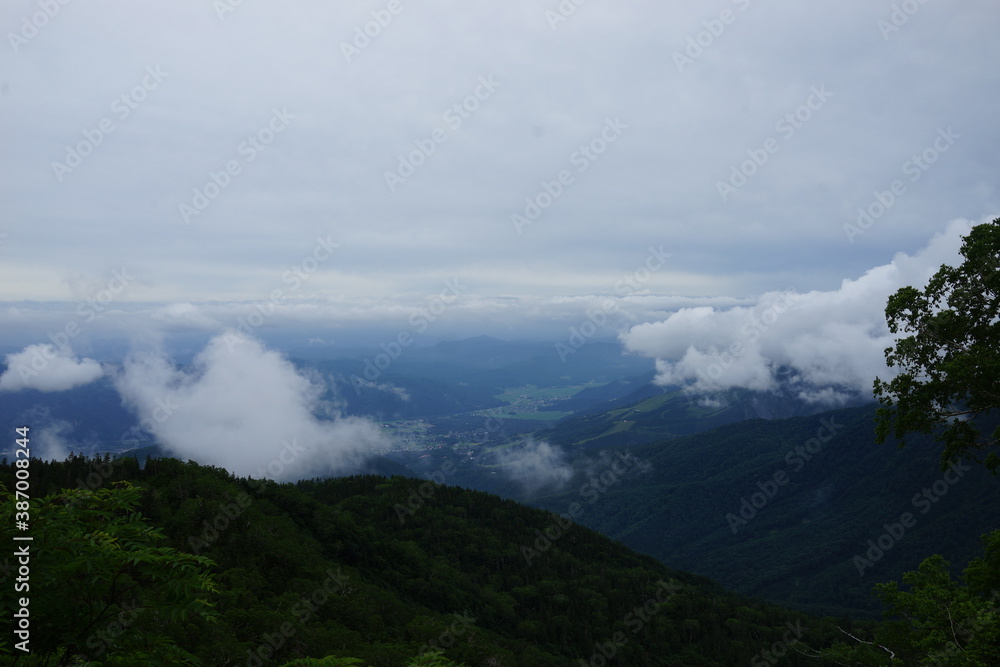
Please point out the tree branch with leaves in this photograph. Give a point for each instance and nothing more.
(948, 358)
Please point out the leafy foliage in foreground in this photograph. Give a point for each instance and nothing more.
(333, 569)
(937, 621)
(99, 585)
(949, 364)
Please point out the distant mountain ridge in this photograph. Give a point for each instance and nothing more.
(650, 413)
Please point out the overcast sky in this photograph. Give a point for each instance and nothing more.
(183, 162)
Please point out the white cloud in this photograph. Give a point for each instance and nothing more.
(829, 344)
(51, 442)
(535, 465)
(244, 408)
(47, 368)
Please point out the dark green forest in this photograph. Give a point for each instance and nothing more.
(379, 569)
(177, 563)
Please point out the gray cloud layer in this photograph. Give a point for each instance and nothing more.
(266, 122)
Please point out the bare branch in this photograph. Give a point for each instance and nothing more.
(892, 656)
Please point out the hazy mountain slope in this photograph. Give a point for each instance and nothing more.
(818, 504)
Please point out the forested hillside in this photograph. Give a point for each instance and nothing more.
(380, 569)
(780, 509)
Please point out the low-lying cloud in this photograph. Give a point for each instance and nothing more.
(827, 346)
(46, 367)
(535, 464)
(244, 408)
(52, 442)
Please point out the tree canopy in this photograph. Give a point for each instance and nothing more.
(103, 585)
(949, 363)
